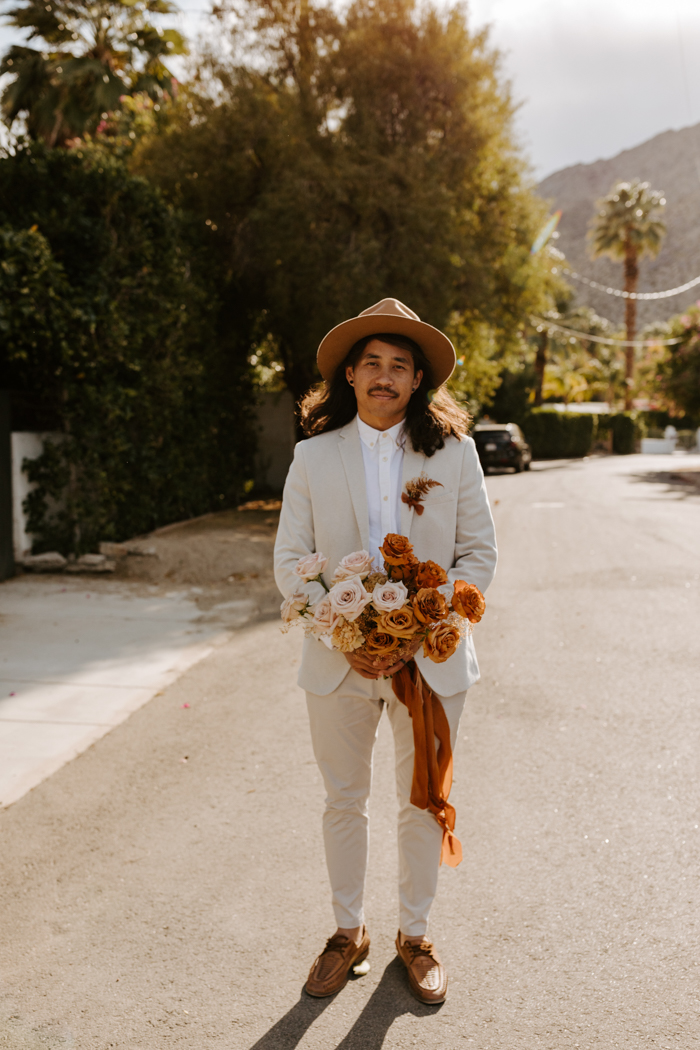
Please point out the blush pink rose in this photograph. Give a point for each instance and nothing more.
(292, 606)
(311, 566)
(348, 598)
(324, 619)
(386, 597)
(359, 563)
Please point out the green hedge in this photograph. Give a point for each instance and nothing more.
(625, 429)
(624, 434)
(559, 435)
(105, 313)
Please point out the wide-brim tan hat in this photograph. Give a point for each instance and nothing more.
(391, 317)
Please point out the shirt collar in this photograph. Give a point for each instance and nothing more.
(369, 436)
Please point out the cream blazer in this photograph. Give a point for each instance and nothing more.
(324, 509)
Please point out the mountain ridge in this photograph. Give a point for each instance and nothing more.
(669, 161)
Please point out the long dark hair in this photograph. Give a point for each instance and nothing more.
(431, 415)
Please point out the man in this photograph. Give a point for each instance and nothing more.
(381, 420)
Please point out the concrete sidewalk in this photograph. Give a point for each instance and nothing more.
(77, 657)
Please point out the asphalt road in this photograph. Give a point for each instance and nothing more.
(167, 888)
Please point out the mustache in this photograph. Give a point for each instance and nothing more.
(382, 390)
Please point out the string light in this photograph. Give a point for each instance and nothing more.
(626, 295)
(541, 324)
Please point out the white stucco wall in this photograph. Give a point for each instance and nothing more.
(25, 445)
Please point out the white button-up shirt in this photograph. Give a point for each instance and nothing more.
(382, 453)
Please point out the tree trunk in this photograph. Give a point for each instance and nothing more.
(540, 362)
(631, 276)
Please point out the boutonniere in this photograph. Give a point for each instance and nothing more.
(416, 491)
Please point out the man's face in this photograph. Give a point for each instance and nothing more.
(383, 379)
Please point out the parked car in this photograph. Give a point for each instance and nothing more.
(502, 445)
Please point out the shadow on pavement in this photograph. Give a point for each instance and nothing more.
(685, 483)
(390, 999)
(289, 1031)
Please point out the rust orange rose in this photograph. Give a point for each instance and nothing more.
(397, 550)
(429, 605)
(404, 573)
(400, 622)
(430, 574)
(440, 642)
(468, 601)
(380, 643)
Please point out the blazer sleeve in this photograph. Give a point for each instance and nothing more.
(475, 538)
(295, 535)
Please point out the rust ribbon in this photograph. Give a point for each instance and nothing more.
(432, 771)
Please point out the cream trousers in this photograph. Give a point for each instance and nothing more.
(344, 726)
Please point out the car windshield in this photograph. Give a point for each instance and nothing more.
(498, 436)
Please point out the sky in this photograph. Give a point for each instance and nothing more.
(595, 77)
(592, 77)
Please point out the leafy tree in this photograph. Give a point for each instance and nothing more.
(575, 368)
(343, 158)
(629, 225)
(104, 311)
(37, 319)
(677, 370)
(92, 53)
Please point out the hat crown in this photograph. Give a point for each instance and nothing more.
(388, 315)
(393, 307)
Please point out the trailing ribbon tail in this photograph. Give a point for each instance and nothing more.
(432, 770)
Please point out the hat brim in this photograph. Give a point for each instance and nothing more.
(435, 345)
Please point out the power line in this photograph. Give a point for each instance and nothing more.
(542, 323)
(627, 295)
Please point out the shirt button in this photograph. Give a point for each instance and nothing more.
(384, 459)
(386, 498)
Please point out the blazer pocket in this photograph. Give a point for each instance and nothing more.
(433, 499)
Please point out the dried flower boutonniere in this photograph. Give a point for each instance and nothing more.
(416, 491)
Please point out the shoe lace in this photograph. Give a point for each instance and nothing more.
(424, 948)
(337, 943)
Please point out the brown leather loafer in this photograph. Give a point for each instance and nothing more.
(427, 978)
(331, 970)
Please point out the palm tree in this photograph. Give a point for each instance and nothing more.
(628, 225)
(95, 51)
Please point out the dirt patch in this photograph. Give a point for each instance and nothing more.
(222, 561)
(227, 556)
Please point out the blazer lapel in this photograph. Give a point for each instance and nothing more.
(351, 455)
(413, 463)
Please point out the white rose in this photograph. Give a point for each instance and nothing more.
(324, 618)
(348, 598)
(389, 596)
(311, 565)
(292, 607)
(359, 563)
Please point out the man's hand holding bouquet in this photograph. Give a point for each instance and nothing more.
(386, 616)
(379, 620)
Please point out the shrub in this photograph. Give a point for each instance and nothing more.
(558, 435)
(626, 428)
(624, 433)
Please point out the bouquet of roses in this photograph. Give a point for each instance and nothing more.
(384, 614)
